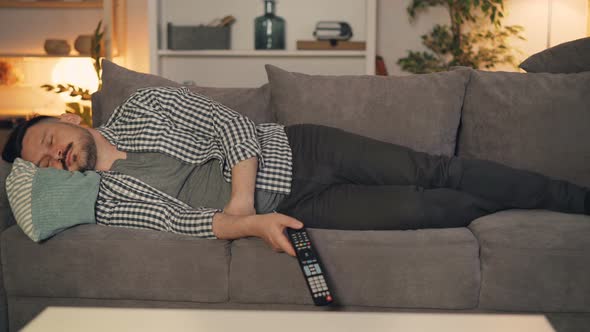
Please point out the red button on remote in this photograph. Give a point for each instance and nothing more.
(329, 298)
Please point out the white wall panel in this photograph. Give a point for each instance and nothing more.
(227, 72)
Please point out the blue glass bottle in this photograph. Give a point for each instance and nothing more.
(269, 29)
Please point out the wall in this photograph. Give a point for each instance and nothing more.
(396, 34)
(137, 53)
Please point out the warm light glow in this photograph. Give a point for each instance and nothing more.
(569, 20)
(76, 71)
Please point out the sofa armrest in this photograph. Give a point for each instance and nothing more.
(3, 301)
(6, 220)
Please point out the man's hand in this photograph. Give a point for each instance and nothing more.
(271, 228)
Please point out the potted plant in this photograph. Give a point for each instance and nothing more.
(475, 38)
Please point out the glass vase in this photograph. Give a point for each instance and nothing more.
(269, 29)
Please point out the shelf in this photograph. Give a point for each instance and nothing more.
(261, 53)
(34, 55)
(50, 4)
(243, 66)
(13, 113)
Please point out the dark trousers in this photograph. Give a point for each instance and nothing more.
(346, 181)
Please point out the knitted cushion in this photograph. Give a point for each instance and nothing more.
(45, 201)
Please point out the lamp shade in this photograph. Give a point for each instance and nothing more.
(76, 71)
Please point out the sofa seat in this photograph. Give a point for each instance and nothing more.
(402, 269)
(534, 260)
(99, 262)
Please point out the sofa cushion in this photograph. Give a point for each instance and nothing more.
(419, 111)
(94, 261)
(534, 260)
(119, 83)
(569, 57)
(537, 122)
(404, 269)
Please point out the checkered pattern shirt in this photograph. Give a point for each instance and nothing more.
(193, 129)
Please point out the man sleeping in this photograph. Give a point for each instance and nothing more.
(173, 160)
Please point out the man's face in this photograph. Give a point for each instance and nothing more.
(61, 145)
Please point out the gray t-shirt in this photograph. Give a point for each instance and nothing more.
(196, 185)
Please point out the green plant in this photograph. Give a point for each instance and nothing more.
(75, 91)
(84, 111)
(475, 38)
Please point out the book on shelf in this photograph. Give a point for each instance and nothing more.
(326, 34)
(331, 45)
(328, 25)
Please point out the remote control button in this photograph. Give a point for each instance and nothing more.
(317, 267)
(328, 298)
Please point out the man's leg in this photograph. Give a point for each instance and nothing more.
(333, 156)
(361, 207)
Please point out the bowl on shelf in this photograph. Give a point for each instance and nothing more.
(83, 44)
(57, 47)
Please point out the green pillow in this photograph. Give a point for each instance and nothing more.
(46, 201)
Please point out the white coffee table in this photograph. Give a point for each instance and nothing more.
(66, 319)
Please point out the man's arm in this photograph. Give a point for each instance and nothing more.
(199, 124)
(125, 202)
(242, 188)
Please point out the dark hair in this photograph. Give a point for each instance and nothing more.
(14, 145)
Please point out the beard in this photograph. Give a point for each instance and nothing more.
(86, 157)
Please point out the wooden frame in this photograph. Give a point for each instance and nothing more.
(114, 23)
(50, 4)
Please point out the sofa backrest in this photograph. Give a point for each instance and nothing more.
(418, 111)
(538, 122)
(119, 83)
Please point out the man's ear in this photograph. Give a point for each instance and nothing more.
(70, 118)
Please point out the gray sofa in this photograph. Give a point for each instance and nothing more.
(514, 260)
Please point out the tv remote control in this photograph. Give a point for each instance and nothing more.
(311, 266)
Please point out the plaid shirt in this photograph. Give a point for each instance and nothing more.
(193, 129)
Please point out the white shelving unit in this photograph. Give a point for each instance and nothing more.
(242, 66)
(260, 53)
